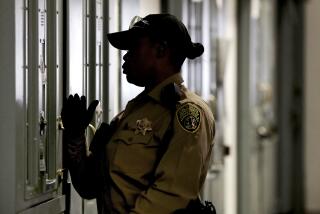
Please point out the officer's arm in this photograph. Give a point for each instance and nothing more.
(181, 170)
(76, 117)
(81, 167)
(88, 172)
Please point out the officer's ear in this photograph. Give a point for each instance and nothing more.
(161, 48)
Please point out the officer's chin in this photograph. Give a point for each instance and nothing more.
(134, 81)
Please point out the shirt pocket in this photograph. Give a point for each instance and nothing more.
(135, 153)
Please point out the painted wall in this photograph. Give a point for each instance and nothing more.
(312, 105)
(149, 6)
(230, 121)
(7, 96)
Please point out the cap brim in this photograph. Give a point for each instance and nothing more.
(123, 40)
(120, 40)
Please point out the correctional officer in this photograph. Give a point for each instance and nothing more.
(154, 156)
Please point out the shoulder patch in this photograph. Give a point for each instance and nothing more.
(189, 118)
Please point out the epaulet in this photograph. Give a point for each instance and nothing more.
(171, 94)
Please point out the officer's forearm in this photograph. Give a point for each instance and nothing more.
(81, 167)
(84, 179)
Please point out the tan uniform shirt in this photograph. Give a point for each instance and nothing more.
(132, 152)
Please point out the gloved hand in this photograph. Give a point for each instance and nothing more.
(75, 116)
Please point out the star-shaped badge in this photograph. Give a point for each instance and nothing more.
(143, 126)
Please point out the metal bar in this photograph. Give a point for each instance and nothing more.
(244, 134)
(105, 62)
(52, 85)
(92, 52)
(85, 48)
(66, 186)
(32, 96)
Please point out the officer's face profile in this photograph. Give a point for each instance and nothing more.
(139, 62)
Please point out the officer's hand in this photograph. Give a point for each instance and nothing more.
(75, 116)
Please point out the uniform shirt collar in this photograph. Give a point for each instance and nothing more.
(156, 92)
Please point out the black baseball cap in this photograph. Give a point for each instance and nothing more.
(163, 27)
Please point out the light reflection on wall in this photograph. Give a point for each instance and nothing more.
(75, 46)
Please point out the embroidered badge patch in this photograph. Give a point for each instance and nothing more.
(189, 117)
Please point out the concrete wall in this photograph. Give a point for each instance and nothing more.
(7, 96)
(312, 106)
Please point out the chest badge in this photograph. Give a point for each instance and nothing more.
(189, 117)
(143, 126)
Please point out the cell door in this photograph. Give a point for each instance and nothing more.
(211, 23)
(262, 83)
(257, 136)
(40, 166)
(89, 63)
